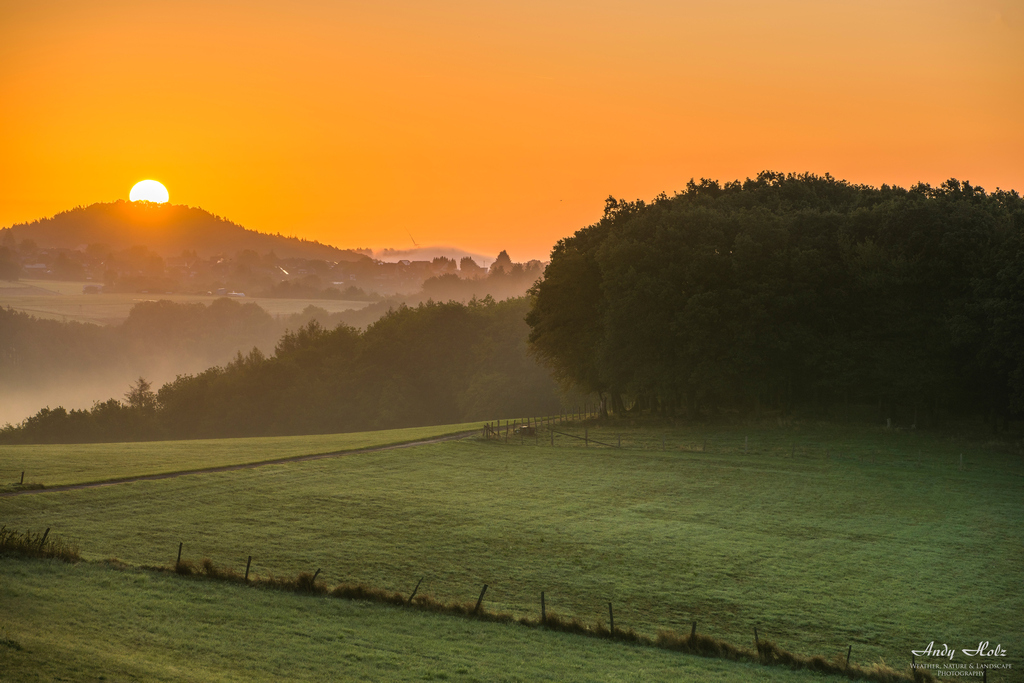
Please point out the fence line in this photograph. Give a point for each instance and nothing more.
(765, 652)
(505, 430)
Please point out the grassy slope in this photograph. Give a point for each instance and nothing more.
(53, 465)
(886, 549)
(89, 622)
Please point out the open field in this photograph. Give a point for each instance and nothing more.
(65, 301)
(822, 537)
(88, 622)
(63, 464)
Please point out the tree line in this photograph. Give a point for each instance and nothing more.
(793, 291)
(36, 352)
(436, 363)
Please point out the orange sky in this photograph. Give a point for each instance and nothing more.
(491, 125)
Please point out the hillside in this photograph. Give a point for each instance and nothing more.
(102, 621)
(165, 229)
(831, 540)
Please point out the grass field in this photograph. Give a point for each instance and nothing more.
(65, 301)
(56, 465)
(821, 537)
(91, 622)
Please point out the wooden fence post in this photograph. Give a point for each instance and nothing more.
(409, 601)
(22, 477)
(180, 544)
(611, 618)
(693, 631)
(480, 600)
(247, 564)
(848, 656)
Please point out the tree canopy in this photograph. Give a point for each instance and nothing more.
(789, 290)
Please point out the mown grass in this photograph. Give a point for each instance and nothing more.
(64, 464)
(857, 537)
(93, 621)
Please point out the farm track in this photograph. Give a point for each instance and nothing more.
(244, 466)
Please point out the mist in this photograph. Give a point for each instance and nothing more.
(47, 363)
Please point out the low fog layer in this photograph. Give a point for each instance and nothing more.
(437, 363)
(50, 363)
(47, 363)
(80, 393)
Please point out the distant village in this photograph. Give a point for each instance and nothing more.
(245, 273)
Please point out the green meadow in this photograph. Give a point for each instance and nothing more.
(63, 464)
(822, 537)
(92, 622)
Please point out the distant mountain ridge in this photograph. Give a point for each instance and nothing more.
(167, 229)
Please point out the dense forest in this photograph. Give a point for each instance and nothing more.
(788, 292)
(432, 364)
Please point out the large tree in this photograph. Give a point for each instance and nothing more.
(789, 289)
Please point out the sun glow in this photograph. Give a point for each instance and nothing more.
(149, 191)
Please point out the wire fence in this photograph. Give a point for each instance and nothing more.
(580, 427)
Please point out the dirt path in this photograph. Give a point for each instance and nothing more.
(244, 466)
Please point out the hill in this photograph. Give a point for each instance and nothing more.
(165, 229)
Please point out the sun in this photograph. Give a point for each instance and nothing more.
(149, 191)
